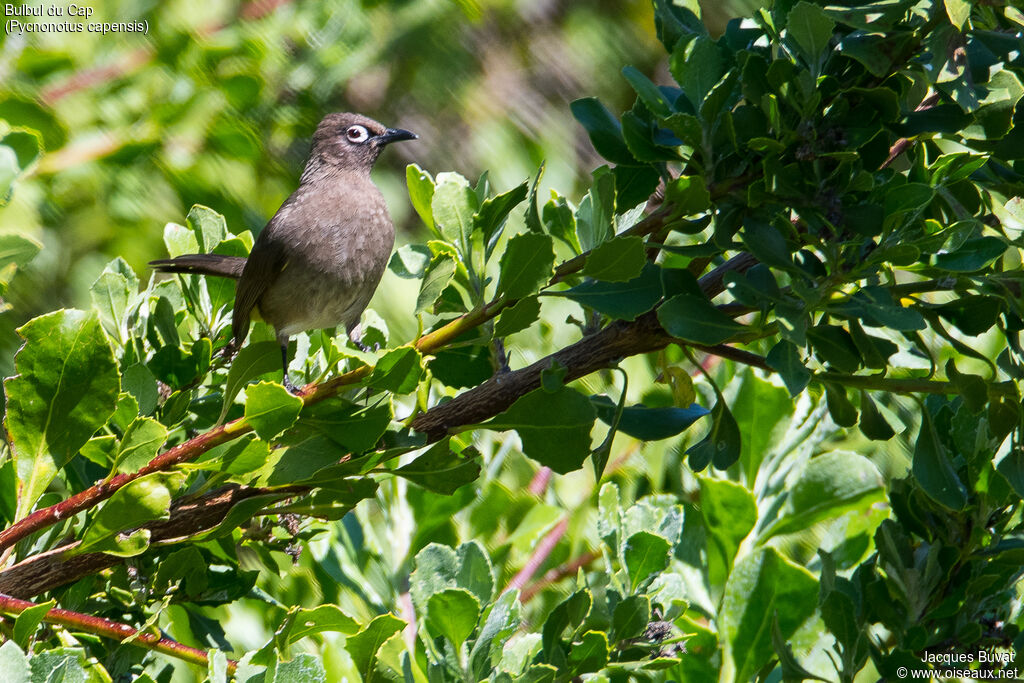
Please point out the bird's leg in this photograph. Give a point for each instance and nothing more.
(284, 366)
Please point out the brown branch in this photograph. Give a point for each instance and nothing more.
(596, 352)
(555, 575)
(189, 516)
(85, 623)
(540, 553)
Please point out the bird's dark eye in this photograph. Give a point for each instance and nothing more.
(357, 134)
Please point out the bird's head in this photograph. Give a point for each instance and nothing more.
(353, 141)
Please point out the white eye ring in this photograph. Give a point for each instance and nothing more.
(357, 134)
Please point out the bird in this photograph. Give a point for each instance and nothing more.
(321, 256)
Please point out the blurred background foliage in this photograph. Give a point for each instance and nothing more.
(215, 105)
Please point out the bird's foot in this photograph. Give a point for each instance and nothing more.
(292, 389)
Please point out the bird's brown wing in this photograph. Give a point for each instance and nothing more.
(265, 263)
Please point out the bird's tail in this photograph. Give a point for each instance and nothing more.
(202, 264)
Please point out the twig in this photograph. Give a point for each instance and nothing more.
(86, 623)
(540, 553)
(557, 574)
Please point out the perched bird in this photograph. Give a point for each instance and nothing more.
(320, 258)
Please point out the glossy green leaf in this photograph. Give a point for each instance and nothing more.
(831, 485)
(645, 554)
(810, 27)
(872, 424)
(436, 278)
(140, 444)
(28, 621)
(762, 587)
(595, 216)
(973, 255)
(453, 613)
(453, 205)
(630, 617)
(441, 469)
(729, 512)
(695, 319)
(363, 646)
(933, 468)
(620, 259)
(490, 219)
(250, 362)
(785, 360)
(604, 130)
(648, 424)
(554, 427)
(835, 346)
(270, 409)
(66, 388)
(421, 192)
(527, 264)
(622, 300)
(520, 316)
(590, 654)
(399, 371)
(722, 444)
(143, 500)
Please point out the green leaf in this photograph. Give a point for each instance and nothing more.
(207, 225)
(722, 445)
(436, 568)
(648, 92)
(830, 485)
(140, 444)
(251, 362)
(15, 252)
(840, 408)
(688, 194)
(560, 221)
(527, 264)
(872, 424)
(630, 617)
(410, 261)
(554, 427)
(811, 28)
(972, 256)
(763, 586)
(695, 319)
(304, 622)
(501, 622)
(596, 213)
(697, 65)
(270, 409)
(520, 316)
(363, 646)
(835, 346)
(622, 300)
(352, 426)
(590, 654)
(438, 276)
(421, 192)
(475, 572)
(604, 130)
(959, 12)
(26, 623)
(620, 259)
(111, 294)
(441, 469)
(14, 666)
(933, 468)
(729, 512)
(971, 388)
(143, 500)
(973, 314)
(490, 219)
(399, 371)
(66, 388)
(453, 613)
(648, 424)
(140, 383)
(785, 360)
(645, 554)
(453, 206)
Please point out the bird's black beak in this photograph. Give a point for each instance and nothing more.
(395, 135)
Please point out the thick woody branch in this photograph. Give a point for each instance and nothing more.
(598, 351)
(188, 517)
